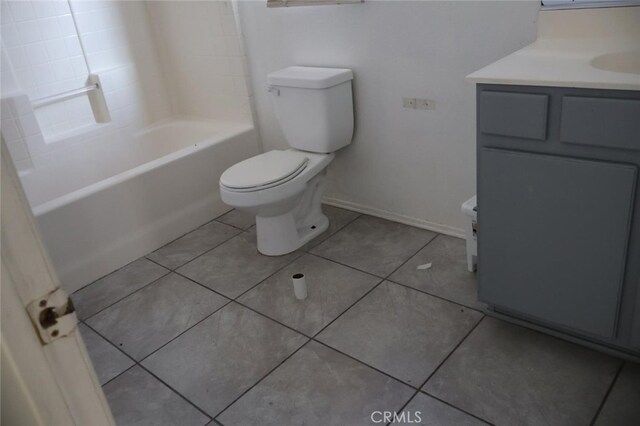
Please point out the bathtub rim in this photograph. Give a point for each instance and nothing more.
(239, 128)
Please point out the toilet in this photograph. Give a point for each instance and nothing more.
(284, 188)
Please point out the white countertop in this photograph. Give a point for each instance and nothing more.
(568, 41)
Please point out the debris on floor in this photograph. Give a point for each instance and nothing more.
(425, 266)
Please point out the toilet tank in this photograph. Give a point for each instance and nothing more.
(314, 107)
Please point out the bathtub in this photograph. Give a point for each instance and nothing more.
(107, 207)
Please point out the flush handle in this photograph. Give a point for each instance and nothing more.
(273, 89)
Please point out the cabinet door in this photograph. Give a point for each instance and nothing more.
(553, 237)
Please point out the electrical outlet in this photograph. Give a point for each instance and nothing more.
(409, 103)
(425, 104)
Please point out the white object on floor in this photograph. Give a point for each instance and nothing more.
(299, 286)
(471, 228)
(284, 189)
(425, 266)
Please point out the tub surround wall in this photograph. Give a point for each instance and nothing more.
(203, 58)
(413, 166)
(119, 47)
(76, 176)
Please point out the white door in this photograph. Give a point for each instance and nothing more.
(47, 377)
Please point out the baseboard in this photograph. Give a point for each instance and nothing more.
(395, 217)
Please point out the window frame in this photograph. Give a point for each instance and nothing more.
(290, 3)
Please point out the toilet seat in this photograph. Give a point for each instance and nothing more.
(263, 171)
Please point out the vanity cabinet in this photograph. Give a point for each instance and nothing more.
(559, 209)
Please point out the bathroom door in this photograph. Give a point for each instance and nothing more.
(47, 377)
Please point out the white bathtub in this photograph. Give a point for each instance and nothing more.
(105, 208)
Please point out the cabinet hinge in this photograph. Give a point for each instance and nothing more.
(53, 315)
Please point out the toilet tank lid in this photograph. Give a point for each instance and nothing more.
(309, 77)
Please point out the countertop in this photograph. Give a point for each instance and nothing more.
(568, 42)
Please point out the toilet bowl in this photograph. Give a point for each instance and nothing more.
(285, 198)
(284, 188)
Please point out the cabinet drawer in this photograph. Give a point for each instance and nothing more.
(521, 115)
(608, 123)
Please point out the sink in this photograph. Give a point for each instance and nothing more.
(627, 62)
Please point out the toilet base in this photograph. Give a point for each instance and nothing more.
(278, 235)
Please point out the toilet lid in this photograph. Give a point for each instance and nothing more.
(264, 169)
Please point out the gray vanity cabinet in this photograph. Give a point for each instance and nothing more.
(559, 209)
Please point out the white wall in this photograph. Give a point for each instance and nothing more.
(412, 165)
(203, 57)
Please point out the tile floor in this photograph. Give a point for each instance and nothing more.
(207, 331)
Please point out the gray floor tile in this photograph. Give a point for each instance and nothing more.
(374, 245)
(115, 286)
(137, 398)
(338, 219)
(216, 361)
(400, 331)
(151, 317)
(508, 375)
(238, 218)
(448, 276)
(196, 242)
(235, 266)
(622, 407)
(331, 289)
(427, 411)
(318, 386)
(107, 360)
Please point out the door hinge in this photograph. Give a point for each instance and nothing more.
(53, 315)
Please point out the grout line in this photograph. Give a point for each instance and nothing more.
(382, 279)
(440, 365)
(110, 273)
(198, 256)
(118, 375)
(233, 226)
(348, 307)
(145, 256)
(348, 266)
(453, 350)
(606, 395)
(359, 361)
(228, 211)
(437, 297)
(456, 408)
(271, 275)
(176, 392)
(139, 363)
(386, 277)
(186, 330)
(271, 319)
(187, 233)
(159, 264)
(202, 285)
(310, 247)
(112, 344)
(261, 379)
(124, 297)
